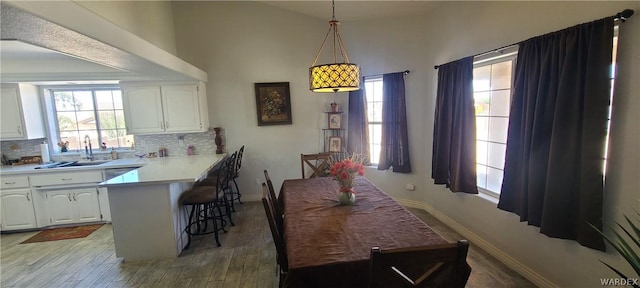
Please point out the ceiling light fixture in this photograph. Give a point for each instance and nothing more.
(334, 77)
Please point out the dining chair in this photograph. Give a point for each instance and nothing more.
(319, 164)
(277, 209)
(427, 266)
(278, 240)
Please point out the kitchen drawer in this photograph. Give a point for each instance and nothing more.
(67, 178)
(14, 182)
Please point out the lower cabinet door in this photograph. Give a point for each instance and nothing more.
(73, 205)
(61, 207)
(87, 205)
(17, 209)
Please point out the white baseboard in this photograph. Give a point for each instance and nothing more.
(511, 262)
(251, 197)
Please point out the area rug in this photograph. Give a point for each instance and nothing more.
(63, 233)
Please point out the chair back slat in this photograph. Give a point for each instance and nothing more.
(223, 177)
(428, 266)
(318, 163)
(238, 165)
(277, 236)
(274, 201)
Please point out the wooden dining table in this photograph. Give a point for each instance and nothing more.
(328, 245)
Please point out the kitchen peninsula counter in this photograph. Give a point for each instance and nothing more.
(167, 170)
(147, 214)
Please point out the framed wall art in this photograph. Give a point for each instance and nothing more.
(273, 103)
(335, 144)
(335, 120)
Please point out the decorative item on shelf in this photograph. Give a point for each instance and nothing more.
(335, 144)
(191, 150)
(103, 147)
(335, 120)
(344, 171)
(64, 146)
(334, 77)
(218, 140)
(335, 107)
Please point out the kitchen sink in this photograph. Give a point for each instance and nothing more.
(87, 163)
(63, 164)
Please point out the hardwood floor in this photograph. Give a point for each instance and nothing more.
(246, 259)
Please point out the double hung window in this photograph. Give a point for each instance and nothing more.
(492, 82)
(96, 112)
(374, 92)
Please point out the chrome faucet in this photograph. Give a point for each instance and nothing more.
(88, 151)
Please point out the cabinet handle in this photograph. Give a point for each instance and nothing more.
(69, 196)
(28, 197)
(161, 125)
(74, 197)
(66, 179)
(19, 130)
(9, 183)
(167, 125)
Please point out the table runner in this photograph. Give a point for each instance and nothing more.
(329, 245)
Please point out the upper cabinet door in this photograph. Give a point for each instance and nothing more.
(20, 112)
(143, 109)
(10, 116)
(181, 108)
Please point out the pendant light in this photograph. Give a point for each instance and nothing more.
(337, 76)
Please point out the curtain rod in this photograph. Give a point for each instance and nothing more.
(405, 72)
(621, 16)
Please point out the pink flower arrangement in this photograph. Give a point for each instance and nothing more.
(344, 171)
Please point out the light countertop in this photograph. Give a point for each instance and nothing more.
(29, 169)
(167, 170)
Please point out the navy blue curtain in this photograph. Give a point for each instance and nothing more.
(553, 176)
(394, 150)
(358, 139)
(453, 160)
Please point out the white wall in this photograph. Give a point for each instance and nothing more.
(239, 44)
(150, 20)
(242, 43)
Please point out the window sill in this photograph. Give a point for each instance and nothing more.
(488, 195)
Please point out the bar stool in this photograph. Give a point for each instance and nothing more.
(235, 174)
(206, 205)
(229, 172)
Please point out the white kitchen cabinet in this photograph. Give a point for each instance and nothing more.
(68, 197)
(154, 108)
(17, 210)
(103, 199)
(20, 112)
(59, 206)
(69, 206)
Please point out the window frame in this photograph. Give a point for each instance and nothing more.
(52, 119)
(369, 122)
(500, 56)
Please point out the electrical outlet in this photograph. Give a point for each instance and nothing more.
(181, 142)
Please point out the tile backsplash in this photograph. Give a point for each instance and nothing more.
(20, 148)
(204, 143)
